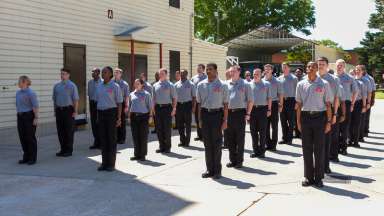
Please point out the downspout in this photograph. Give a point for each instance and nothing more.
(191, 43)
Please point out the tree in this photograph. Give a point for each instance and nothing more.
(371, 52)
(301, 53)
(237, 17)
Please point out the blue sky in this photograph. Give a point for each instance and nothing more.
(343, 21)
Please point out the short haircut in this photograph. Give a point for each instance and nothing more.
(286, 63)
(140, 81)
(300, 69)
(119, 70)
(96, 69)
(109, 69)
(362, 67)
(65, 70)
(214, 65)
(257, 69)
(26, 79)
(184, 71)
(268, 65)
(236, 67)
(201, 65)
(324, 59)
(340, 61)
(163, 69)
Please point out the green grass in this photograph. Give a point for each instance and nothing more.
(379, 94)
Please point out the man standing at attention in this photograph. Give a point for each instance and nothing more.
(287, 116)
(334, 84)
(92, 86)
(65, 100)
(314, 117)
(239, 110)
(212, 96)
(200, 76)
(277, 93)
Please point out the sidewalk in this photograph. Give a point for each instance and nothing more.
(172, 184)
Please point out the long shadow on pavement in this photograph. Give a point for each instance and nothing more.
(256, 171)
(232, 182)
(364, 157)
(353, 164)
(343, 192)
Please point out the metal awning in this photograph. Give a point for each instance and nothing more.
(137, 33)
(266, 39)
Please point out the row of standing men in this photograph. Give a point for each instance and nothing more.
(218, 106)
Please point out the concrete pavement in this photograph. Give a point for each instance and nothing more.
(172, 184)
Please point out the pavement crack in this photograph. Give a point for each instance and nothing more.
(252, 204)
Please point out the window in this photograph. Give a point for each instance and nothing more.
(174, 64)
(174, 3)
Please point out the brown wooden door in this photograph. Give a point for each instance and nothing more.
(75, 61)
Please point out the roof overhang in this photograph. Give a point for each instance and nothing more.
(137, 33)
(265, 39)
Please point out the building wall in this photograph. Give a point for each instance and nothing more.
(33, 32)
(204, 52)
(330, 53)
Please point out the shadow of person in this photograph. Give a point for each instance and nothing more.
(353, 164)
(343, 192)
(376, 133)
(286, 153)
(275, 160)
(232, 182)
(361, 179)
(176, 155)
(295, 145)
(194, 148)
(256, 171)
(375, 137)
(151, 163)
(373, 143)
(364, 157)
(371, 149)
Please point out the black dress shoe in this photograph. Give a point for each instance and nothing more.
(121, 142)
(229, 165)
(239, 165)
(328, 170)
(224, 147)
(101, 168)
(142, 159)
(167, 151)
(197, 139)
(344, 152)
(66, 154)
(59, 154)
(94, 147)
(307, 183)
(262, 155)
(253, 155)
(159, 151)
(336, 160)
(23, 161)
(31, 162)
(134, 158)
(110, 169)
(356, 145)
(289, 143)
(282, 142)
(272, 149)
(181, 145)
(206, 175)
(319, 184)
(361, 140)
(216, 176)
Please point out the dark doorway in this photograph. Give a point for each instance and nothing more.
(141, 66)
(174, 64)
(75, 61)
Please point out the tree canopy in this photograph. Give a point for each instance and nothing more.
(237, 17)
(371, 52)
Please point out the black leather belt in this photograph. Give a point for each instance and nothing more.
(312, 113)
(139, 114)
(163, 105)
(259, 106)
(236, 110)
(64, 108)
(24, 113)
(187, 102)
(212, 110)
